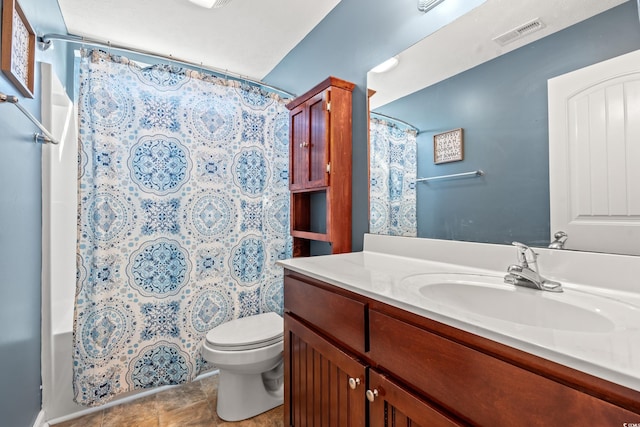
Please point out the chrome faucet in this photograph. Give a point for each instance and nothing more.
(522, 274)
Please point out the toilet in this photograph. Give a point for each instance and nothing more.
(248, 353)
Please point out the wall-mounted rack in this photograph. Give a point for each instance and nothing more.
(45, 136)
(471, 174)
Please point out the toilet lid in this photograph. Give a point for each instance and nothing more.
(247, 332)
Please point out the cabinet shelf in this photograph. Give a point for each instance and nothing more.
(310, 235)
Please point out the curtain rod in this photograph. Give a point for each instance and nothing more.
(398, 120)
(47, 137)
(45, 43)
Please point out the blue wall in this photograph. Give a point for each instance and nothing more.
(502, 106)
(20, 240)
(356, 36)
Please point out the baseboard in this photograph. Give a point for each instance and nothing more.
(40, 421)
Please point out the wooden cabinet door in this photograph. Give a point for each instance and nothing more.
(309, 151)
(394, 406)
(299, 136)
(317, 378)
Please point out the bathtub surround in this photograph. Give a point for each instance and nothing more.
(183, 211)
(392, 175)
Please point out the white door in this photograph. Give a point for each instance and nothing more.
(594, 156)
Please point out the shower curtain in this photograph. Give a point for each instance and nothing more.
(392, 171)
(183, 212)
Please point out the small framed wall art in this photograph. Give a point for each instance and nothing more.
(448, 146)
(18, 48)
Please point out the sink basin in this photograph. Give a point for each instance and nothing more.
(489, 296)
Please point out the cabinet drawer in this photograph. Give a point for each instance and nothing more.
(480, 388)
(335, 315)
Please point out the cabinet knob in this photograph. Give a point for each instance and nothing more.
(304, 145)
(354, 382)
(372, 394)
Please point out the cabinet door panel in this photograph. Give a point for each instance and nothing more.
(318, 141)
(309, 148)
(394, 406)
(317, 391)
(298, 158)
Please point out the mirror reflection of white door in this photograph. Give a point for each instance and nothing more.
(594, 156)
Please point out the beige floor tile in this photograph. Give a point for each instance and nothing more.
(194, 392)
(210, 385)
(141, 412)
(272, 418)
(91, 420)
(198, 414)
(129, 419)
(172, 399)
(188, 405)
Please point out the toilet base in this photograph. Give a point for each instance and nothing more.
(242, 396)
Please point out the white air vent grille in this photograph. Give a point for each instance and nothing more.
(519, 32)
(427, 5)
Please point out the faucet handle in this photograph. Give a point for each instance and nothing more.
(560, 235)
(522, 254)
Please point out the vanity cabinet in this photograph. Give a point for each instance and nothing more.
(328, 377)
(320, 166)
(342, 348)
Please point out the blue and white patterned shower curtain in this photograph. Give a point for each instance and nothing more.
(392, 171)
(183, 211)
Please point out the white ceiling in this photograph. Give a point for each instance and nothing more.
(250, 37)
(467, 42)
(246, 37)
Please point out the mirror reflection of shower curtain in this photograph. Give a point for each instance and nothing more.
(183, 211)
(392, 187)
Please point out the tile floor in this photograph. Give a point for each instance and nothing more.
(191, 404)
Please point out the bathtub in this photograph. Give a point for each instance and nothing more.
(59, 201)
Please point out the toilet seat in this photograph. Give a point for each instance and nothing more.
(247, 333)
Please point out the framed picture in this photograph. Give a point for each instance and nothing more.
(448, 147)
(18, 48)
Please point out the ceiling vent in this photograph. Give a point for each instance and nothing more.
(519, 32)
(427, 5)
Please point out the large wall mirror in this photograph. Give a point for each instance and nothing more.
(495, 91)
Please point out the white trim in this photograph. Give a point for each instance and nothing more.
(40, 422)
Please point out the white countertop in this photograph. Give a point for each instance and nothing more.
(386, 271)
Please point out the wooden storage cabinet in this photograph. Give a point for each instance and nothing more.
(320, 166)
(423, 373)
